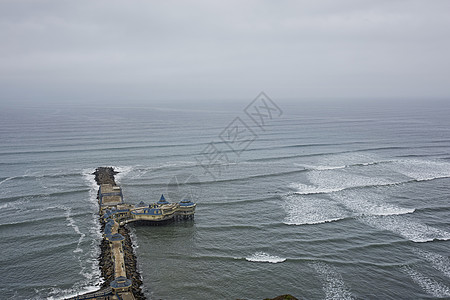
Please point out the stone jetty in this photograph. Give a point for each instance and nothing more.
(105, 175)
(117, 260)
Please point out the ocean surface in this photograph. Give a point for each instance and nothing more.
(325, 200)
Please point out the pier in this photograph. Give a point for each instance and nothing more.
(117, 258)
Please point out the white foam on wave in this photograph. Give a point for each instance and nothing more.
(320, 167)
(95, 230)
(133, 238)
(331, 177)
(60, 294)
(430, 286)
(89, 177)
(123, 171)
(88, 260)
(302, 210)
(139, 171)
(422, 170)
(343, 161)
(177, 164)
(7, 179)
(89, 263)
(334, 286)
(18, 205)
(407, 228)
(305, 189)
(368, 203)
(438, 262)
(264, 257)
(324, 182)
(71, 223)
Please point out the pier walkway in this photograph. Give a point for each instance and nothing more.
(114, 213)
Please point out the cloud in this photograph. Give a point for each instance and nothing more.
(144, 50)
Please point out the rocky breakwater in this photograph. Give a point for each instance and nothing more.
(105, 175)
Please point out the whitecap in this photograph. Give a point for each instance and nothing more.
(18, 205)
(71, 223)
(7, 179)
(438, 262)
(60, 294)
(325, 182)
(264, 257)
(343, 161)
(320, 167)
(123, 171)
(95, 232)
(422, 170)
(407, 228)
(302, 210)
(334, 286)
(369, 204)
(133, 237)
(305, 189)
(90, 178)
(429, 285)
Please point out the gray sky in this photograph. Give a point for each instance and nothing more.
(71, 51)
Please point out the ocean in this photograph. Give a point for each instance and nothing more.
(318, 199)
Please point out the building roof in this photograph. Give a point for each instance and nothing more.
(108, 227)
(115, 237)
(107, 214)
(186, 202)
(162, 200)
(121, 282)
(108, 230)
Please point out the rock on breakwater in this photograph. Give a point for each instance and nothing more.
(105, 175)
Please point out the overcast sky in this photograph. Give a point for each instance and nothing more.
(72, 51)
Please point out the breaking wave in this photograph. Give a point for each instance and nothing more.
(429, 285)
(407, 228)
(325, 182)
(333, 284)
(438, 262)
(370, 204)
(264, 257)
(337, 167)
(123, 171)
(302, 210)
(325, 179)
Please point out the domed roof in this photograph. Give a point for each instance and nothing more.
(115, 237)
(162, 200)
(186, 202)
(121, 282)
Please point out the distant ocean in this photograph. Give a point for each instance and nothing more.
(335, 200)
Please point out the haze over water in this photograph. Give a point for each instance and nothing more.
(332, 200)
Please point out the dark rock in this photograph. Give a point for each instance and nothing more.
(105, 175)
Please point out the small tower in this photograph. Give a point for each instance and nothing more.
(163, 200)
